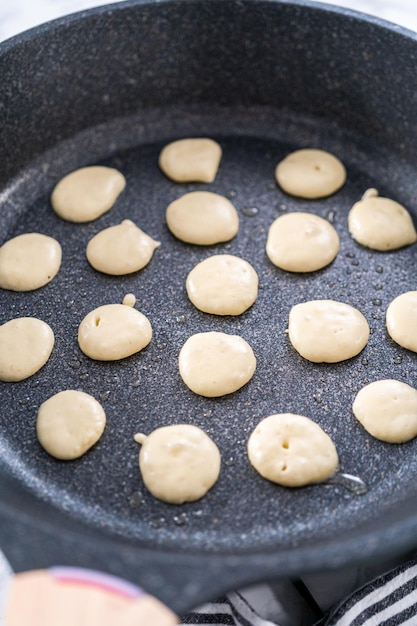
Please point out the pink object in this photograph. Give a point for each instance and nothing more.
(105, 582)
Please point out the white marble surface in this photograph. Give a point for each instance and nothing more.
(19, 15)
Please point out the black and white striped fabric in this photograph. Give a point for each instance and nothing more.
(389, 600)
(232, 610)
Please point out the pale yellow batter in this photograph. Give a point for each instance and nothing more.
(129, 299)
(292, 450)
(401, 320)
(387, 409)
(202, 218)
(26, 344)
(222, 284)
(29, 261)
(380, 223)
(69, 423)
(326, 331)
(301, 242)
(114, 331)
(178, 463)
(310, 173)
(121, 249)
(214, 364)
(191, 160)
(87, 193)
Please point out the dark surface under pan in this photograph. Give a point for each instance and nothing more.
(113, 86)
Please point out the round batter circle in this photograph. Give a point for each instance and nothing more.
(120, 249)
(387, 409)
(29, 261)
(214, 364)
(87, 193)
(292, 450)
(381, 223)
(222, 284)
(114, 331)
(178, 463)
(310, 173)
(327, 331)
(69, 423)
(26, 344)
(301, 242)
(401, 320)
(188, 160)
(202, 218)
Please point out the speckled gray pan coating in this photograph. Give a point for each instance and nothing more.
(113, 86)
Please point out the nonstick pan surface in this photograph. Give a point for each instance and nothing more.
(112, 86)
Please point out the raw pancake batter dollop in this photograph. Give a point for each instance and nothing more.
(25, 346)
(129, 299)
(326, 331)
(215, 364)
(202, 218)
(292, 450)
(178, 463)
(114, 331)
(29, 261)
(191, 160)
(87, 193)
(222, 284)
(310, 173)
(120, 249)
(387, 409)
(380, 223)
(301, 242)
(401, 320)
(70, 423)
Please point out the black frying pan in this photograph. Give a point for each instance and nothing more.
(113, 86)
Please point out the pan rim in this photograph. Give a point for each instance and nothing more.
(407, 525)
(114, 7)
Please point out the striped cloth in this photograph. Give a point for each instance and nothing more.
(232, 610)
(391, 600)
(388, 600)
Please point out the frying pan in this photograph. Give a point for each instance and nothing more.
(112, 86)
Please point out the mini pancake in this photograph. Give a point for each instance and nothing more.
(292, 450)
(222, 284)
(114, 331)
(26, 344)
(401, 320)
(178, 463)
(202, 218)
(120, 249)
(214, 364)
(380, 223)
(301, 242)
(191, 160)
(29, 261)
(326, 331)
(87, 193)
(310, 173)
(387, 409)
(69, 423)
